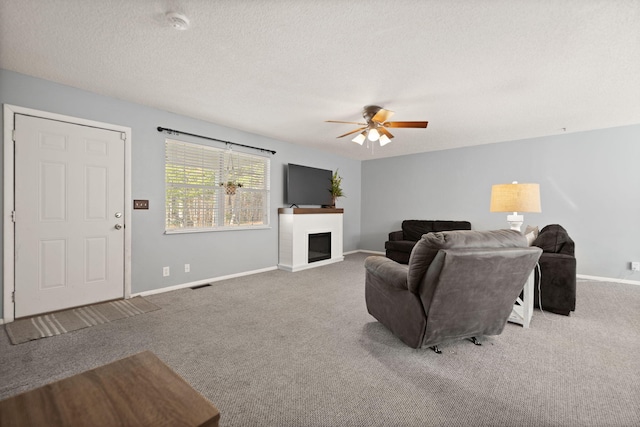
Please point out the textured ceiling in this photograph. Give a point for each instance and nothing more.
(478, 71)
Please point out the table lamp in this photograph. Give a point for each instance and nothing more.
(515, 198)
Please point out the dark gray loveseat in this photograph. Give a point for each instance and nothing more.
(558, 267)
(401, 242)
(458, 284)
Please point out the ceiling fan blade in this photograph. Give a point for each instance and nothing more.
(382, 115)
(353, 131)
(385, 132)
(338, 121)
(406, 124)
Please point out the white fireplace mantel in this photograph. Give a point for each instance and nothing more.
(296, 224)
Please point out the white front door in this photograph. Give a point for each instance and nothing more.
(69, 215)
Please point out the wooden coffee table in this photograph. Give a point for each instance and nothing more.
(137, 391)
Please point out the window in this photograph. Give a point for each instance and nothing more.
(198, 197)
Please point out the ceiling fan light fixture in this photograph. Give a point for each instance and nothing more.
(373, 135)
(359, 139)
(375, 126)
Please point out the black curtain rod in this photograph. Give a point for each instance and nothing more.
(178, 132)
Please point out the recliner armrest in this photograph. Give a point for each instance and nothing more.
(396, 235)
(389, 271)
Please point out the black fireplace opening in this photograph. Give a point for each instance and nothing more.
(319, 247)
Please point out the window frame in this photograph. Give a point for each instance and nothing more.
(219, 200)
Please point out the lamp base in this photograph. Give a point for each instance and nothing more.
(515, 221)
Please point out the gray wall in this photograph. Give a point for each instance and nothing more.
(589, 183)
(212, 254)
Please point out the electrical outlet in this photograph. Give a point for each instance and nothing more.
(165, 271)
(187, 268)
(635, 265)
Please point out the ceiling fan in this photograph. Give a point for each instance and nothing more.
(376, 125)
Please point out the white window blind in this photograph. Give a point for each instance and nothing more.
(198, 191)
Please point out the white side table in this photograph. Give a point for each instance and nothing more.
(523, 308)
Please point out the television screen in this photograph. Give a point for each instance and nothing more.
(307, 186)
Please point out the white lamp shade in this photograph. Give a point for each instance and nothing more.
(374, 135)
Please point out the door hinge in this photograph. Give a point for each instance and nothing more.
(13, 296)
(123, 136)
(13, 216)
(13, 135)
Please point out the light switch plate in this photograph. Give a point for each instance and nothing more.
(140, 204)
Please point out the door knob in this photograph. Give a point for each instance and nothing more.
(118, 226)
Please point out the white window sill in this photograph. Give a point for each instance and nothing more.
(207, 230)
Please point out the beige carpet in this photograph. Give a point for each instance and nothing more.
(61, 322)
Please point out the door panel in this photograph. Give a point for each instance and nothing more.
(53, 264)
(96, 192)
(53, 191)
(69, 184)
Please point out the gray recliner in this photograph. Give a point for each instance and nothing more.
(458, 284)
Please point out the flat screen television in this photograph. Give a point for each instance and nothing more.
(307, 186)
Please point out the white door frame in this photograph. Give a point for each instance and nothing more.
(8, 235)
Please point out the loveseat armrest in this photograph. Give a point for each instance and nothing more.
(396, 235)
(558, 287)
(389, 271)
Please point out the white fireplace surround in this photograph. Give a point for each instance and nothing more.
(296, 224)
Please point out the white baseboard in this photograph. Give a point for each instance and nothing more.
(202, 282)
(364, 251)
(608, 279)
(293, 269)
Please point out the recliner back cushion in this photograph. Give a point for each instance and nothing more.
(469, 292)
(427, 248)
(413, 229)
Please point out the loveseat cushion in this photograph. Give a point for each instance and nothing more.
(428, 246)
(554, 239)
(399, 245)
(413, 229)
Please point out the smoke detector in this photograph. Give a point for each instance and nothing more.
(177, 20)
